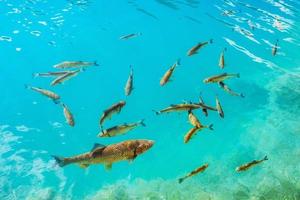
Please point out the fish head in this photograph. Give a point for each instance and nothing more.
(206, 80)
(122, 103)
(143, 145)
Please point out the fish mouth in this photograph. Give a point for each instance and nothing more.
(205, 81)
(144, 145)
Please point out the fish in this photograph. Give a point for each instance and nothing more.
(230, 91)
(275, 48)
(107, 155)
(204, 110)
(120, 129)
(219, 108)
(65, 77)
(193, 119)
(221, 77)
(166, 77)
(249, 165)
(55, 97)
(194, 50)
(193, 173)
(129, 83)
(72, 64)
(68, 115)
(115, 108)
(132, 35)
(222, 60)
(188, 136)
(184, 107)
(50, 74)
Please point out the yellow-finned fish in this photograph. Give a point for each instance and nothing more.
(221, 77)
(72, 64)
(251, 164)
(196, 48)
(193, 173)
(230, 91)
(120, 129)
(222, 59)
(65, 77)
(129, 83)
(219, 108)
(107, 155)
(55, 97)
(166, 77)
(68, 115)
(275, 48)
(132, 35)
(115, 108)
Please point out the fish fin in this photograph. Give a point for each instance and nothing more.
(96, 63)
(156, 112)
(211, 127)
(59, 160)
(97, 146)
(108, 166)
(142, 122)
(266, 158)
(56, 101)
(180, 180)
(83, 166)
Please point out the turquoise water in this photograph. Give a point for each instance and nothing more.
(41, 33)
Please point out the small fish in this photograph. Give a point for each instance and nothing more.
(194, 49)
(116, 108)
(193, 173)
(65, 77)
(204, 110)
(166, 77)
(121, 129)
(222, 60)
(72, 64)
(129, 83)
(132, 35)
(221, 77)
(230, 91)
(107, 155)
(275, 48)
(188, 136)
(50, 74)
(68, 115)
(251, 164)
(180, 108)
(219, 108)
(47, 93)
(193, 119)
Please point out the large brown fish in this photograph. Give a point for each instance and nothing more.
(107, 114)
(120, 129)
(65, 77)
(68, 115)
(196, 48)
(71, 64)
(107, 155)
(230, 91)
(193, 173)
(129, 83)
(47, 93)
(166, 77)
(251, 164)
(221, 77)
(219, 108)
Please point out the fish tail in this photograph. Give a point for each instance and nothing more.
(211, 127)
(34, 75)
(211, 41)
(156, 112)
(57, 101)
(27, 86)
(142, 122)
(225, 49)
(180, 180)
(178, 62)
(266, 158)
(60, 161)
(242, 95)
(96, 63)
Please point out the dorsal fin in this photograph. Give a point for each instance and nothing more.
(97, 146)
